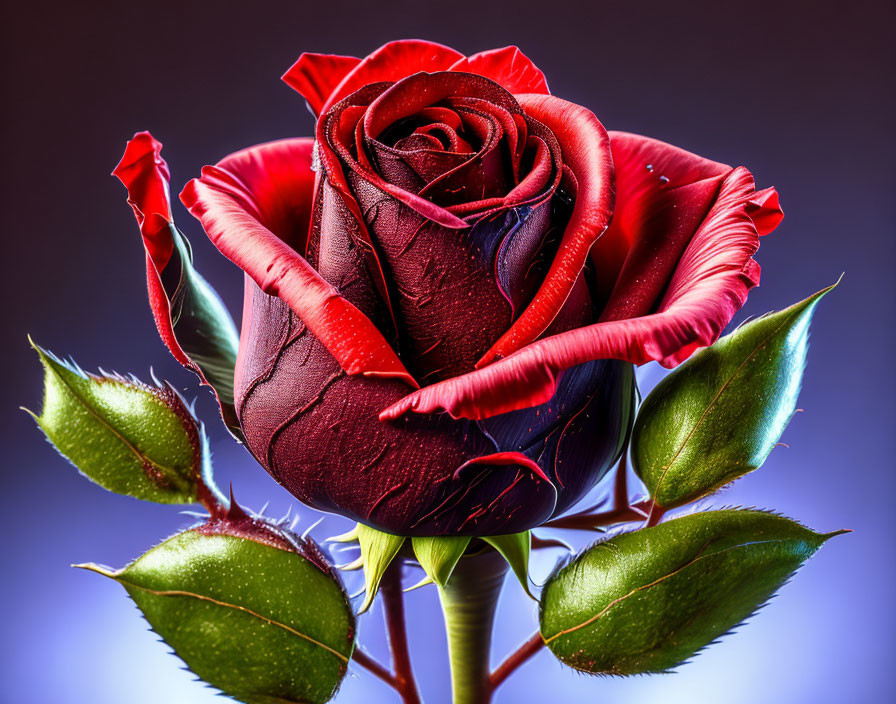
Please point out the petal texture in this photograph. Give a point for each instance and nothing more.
(586, 153)
(708, 285)
(255, 207)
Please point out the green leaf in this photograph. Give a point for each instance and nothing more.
(201, 323)
(438, 556)
(647, 601)
(718, 416)
(261, 623)
(378, 549)
(515, 549)
(127, 436)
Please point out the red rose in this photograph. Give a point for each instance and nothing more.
(450, 242)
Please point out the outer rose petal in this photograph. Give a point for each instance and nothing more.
(508, 66)
(303, 417)
(254, 206)
(586, 152)
(708, 286)
(191, 319)
(145, 174)
(392, 62)
(315, 76)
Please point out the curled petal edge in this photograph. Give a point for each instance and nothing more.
(586, 152)
(709, 285)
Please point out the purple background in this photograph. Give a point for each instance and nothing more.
(797, 91)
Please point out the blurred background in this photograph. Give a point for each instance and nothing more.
(800, 92)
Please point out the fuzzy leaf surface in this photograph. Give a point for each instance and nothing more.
(262, 624)
(129, 437)
(647, 601)
(718, 415)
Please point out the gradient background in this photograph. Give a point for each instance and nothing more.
(797, 91)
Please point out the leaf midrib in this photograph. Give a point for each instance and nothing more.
(716, 398)
(168, 471)
(699, 556)
(236, 607)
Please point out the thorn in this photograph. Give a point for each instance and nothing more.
(264, 508)
(780, 444)
(351, 566)
(235, 512)
(311, 527)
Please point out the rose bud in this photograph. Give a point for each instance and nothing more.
(450, 242)
(238, 579)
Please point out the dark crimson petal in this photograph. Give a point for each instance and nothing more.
(334, 147)
(447, 301)
(303, 417)
(392, 62)
(508, 66)
(586, 152)
(190, 317)
(578, 435)
(316, 76)
(709, 285)
(239, 201)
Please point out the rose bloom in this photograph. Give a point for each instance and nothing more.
(447, 287)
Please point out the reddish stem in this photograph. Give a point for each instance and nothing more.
(655, 515)
(620, 486)
(393, 607)
(515, 660)
(587, 520)
(371, 665)
(209, 499)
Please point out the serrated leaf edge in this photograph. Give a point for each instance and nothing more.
(116, 575)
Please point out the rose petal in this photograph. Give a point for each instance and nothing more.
(303, 417)
(392, 62)
(316, 76)
(663, 193)
(709, 285)
(197, 330)
(240, 202)
(508, 66)
(586, 152)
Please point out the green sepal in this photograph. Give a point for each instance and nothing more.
(261, 623)
(515, 548)
(438, 556)
(132, 438)
(378, 549)
(647, 601)
(201, 323)
(718, 415)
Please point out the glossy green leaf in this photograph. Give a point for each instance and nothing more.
(200, 321)
(263, 624)
(515, 549)
(647, 601)
(438, 556)
(718, 416)
(127, 436)
(378, 549)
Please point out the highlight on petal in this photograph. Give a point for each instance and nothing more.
(392, 62)
(586, 152)
(709, 284)
(189, 314)
(145, 175)
(315, 76)
(508, 66)
(255, 207)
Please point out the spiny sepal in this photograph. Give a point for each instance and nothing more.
(132, 438)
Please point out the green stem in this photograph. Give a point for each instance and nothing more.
(468, 604)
